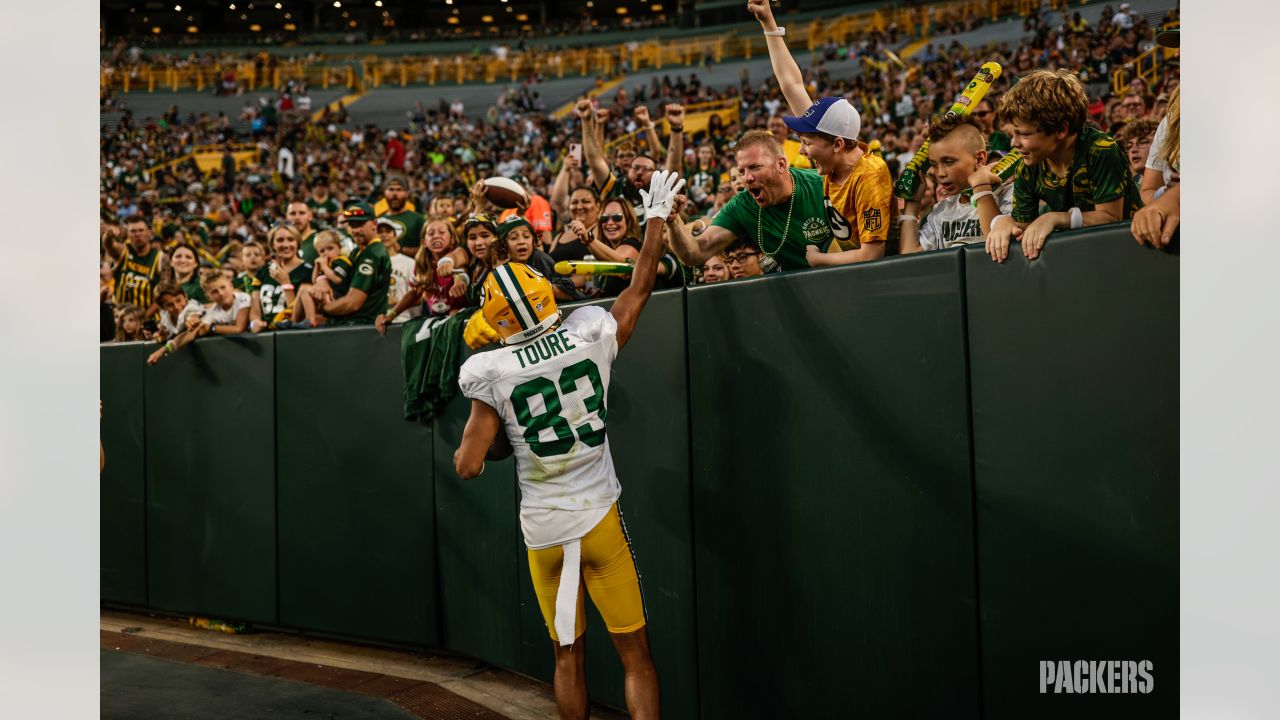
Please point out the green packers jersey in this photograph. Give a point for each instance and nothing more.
(1099, 173)
(372, 276)
(271, 295)
(137, 277)
(805, 223)
(408, 225)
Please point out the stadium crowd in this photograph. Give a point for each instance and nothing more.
(309, 220)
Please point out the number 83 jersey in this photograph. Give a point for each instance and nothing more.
(550, 394)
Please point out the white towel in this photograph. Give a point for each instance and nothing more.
(566, 620)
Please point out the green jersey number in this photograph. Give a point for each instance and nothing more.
(551, 418)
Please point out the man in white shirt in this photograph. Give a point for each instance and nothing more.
(1124, 18)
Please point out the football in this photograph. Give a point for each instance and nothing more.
(505, 192)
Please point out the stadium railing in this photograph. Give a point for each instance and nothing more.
(1147, 67)
(362, 72)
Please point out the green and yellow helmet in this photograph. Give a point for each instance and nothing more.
(518, 303)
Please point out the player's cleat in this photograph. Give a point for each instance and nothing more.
(518, 303)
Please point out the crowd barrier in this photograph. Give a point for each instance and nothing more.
(887, 490)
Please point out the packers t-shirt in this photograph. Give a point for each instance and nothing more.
(137, 277)
(859, 208)
(1099, 173)
(809, 223)
(408, 225)
(372, 276)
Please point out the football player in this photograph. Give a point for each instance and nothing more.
(543, 396)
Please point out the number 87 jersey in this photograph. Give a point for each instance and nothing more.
(550, 394)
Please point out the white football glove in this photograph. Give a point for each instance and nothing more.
(661, 195)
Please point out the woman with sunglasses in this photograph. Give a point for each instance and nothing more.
(619, 241)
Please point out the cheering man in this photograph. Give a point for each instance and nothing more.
(856, 183)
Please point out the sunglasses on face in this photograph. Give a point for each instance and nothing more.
(981, 113)
(611, 217)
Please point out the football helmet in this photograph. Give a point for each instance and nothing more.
(518, 303)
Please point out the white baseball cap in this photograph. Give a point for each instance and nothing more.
(830, 115)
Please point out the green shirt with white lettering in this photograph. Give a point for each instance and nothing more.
(765, 226)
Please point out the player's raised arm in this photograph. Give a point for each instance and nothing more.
(658, 201)
(785, 69)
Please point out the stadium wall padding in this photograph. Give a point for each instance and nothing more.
(356, 498)
(122, 509)
(982, 475)
(1074, 367)
(211, 480)
(832, 493)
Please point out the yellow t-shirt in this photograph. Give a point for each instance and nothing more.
(865, 199)
(791, 149)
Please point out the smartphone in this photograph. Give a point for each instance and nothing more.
(575, 149)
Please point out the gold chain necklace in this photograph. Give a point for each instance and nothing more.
(759, 224)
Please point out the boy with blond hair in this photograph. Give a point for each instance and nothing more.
(1079, 172)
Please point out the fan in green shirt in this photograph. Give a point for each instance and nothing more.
(407, 223)
(1077, 172)
(782, 210)
(366, 298)
(300, 216)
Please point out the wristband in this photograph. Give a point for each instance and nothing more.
(169, 347)
(675, 129)
(904, 218)
(287, 287)
(462, 277)
(1077, 218)
(780, 32)
(974, 199)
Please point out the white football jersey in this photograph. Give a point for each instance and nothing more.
(951, 222)
(551, 396)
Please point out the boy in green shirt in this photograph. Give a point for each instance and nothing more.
(1078, 172)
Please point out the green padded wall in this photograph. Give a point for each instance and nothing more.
(211, 492)
(356, 492)
(123, 511)
(1074, 363)
(833, 494)
(479, 545)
